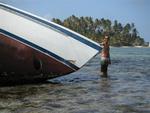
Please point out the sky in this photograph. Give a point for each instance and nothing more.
(124, 11)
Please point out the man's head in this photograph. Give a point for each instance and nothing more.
(106, 38)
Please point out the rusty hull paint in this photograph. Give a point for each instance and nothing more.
(17, 58)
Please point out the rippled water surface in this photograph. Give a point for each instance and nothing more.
(127, 90)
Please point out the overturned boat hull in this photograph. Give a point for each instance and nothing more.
(32, 47)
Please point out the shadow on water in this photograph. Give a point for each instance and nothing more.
(26, 82)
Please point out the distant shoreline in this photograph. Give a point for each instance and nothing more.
(130, 46)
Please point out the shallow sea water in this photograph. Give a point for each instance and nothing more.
(126, 90)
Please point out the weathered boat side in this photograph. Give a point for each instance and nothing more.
(31, 46)
(21, 61)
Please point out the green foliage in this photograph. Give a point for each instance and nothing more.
(121, 35)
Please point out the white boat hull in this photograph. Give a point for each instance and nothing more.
(35, 36)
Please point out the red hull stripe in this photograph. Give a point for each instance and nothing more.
(51, 54)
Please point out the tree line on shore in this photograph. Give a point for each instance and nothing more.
(95, 29)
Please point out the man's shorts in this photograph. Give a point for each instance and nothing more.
(105, 61)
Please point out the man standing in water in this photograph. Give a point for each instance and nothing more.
(105, 56)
